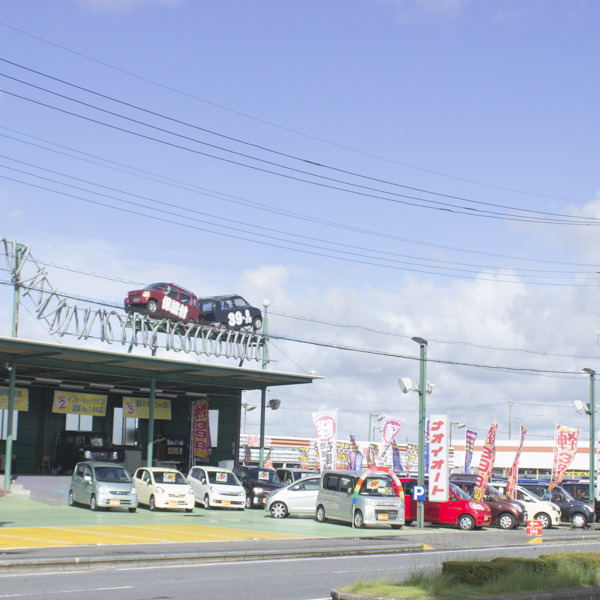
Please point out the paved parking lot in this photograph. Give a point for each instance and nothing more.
(44, 520)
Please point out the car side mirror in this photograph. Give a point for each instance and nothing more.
(203, 480)
(87, 478)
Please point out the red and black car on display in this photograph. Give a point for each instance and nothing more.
(169, 301)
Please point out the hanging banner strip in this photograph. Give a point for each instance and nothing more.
(21, 400)
(139, 408)
(79, 404)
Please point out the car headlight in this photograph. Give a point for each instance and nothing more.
(519, 507)
(87, 454)
(115, 456)
(160, 490)
(476, 506)
(102, 489)
(133, 492)
(191, 492)
(145, 294)
(258, 490)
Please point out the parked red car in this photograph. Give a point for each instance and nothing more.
(460, 510)
(165, 300)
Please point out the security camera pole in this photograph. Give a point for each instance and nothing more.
(422, 393)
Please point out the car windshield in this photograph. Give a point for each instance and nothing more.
(174, 477)
(377, 486)
(460, 493)
(264, 476)
(222, 478)
(156, 286)
(537, 490)
(98, 441)
(112, 474)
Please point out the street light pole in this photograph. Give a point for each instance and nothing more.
(592, 375)
(263, 391)
(422, 393)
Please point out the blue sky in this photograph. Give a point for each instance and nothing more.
(411, 168)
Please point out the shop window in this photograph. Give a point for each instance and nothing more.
(125, 429)
(4, 424)
(79, 422)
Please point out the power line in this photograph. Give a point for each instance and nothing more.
(291, 130)
(264, 148)
(407, 199)
(304, 248)
(345, 248)
(263, 207)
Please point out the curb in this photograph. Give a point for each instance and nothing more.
(589, 593)
(105, 562)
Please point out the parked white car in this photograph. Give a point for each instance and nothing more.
(217, 487)
(298, 498)
(537, 510)
(158, 487)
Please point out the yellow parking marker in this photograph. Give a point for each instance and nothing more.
(426, 547)
(36, 537)
(537, 540)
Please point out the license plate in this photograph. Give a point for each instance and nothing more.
(114, 502)
(383, 517)
(173, 503)
(226, 502)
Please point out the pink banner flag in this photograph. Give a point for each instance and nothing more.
(565, 447)
(486, 463)
(513, 477)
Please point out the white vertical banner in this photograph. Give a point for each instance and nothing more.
(391, 428)
(439, 472)
(326, 432)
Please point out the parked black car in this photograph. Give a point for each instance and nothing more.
(75, 446)
(580, 513)
(230, 311)
(258, 482)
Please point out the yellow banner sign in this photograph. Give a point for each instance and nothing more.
(79, 404)
(139, 408)
(21, 400)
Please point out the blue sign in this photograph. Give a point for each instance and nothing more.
(419, 492)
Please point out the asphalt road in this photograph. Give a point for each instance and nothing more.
(283, 579)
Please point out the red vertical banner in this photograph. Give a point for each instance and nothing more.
(565, 447)
(513, 477)
(486, 462)
(200, 431)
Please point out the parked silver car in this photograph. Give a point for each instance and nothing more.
(102, 485)
(298, 498)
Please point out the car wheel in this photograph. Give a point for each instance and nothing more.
(93, 504)
(257, 323)
(279, 510)
(248, 502)
(152, 306)
(578, 520)
(506, 521)
(466, 523)
(71, 498)
(206, 501)
(321, 518)
(152, 503)
(358, 520)
(544, 519)
(132, 510)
